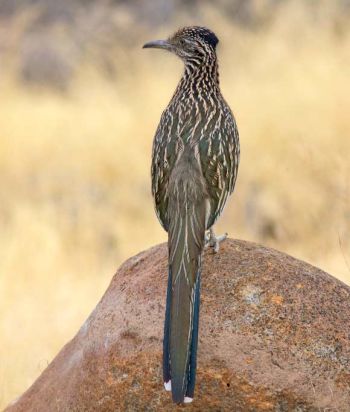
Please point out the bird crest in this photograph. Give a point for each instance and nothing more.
(196, 33)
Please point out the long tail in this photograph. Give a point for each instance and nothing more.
(187, 217)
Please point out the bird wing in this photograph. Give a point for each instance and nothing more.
(219, 157)
(164, 155)
(218, 149)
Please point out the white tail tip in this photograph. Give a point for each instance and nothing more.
(167, 386)
(188, 400)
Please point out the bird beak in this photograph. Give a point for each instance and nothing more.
(157, 44)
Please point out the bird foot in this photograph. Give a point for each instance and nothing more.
(211, 240)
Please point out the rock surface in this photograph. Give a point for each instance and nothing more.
(274, 336)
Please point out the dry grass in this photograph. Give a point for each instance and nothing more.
(74, 172)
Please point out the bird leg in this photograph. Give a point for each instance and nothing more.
(211, 240)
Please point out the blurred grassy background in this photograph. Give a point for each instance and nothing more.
(79, 105)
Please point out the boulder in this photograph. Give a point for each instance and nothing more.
(274, 336)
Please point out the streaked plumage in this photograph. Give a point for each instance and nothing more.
(194, 168)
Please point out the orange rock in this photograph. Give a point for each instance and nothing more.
(298, 352)
(277, 299)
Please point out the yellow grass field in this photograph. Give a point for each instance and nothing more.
(75, 174)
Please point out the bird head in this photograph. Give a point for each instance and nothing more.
(189, 43)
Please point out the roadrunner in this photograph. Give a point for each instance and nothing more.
(194, 168)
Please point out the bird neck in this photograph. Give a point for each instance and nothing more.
(201, 76)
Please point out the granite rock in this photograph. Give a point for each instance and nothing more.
(274, 336)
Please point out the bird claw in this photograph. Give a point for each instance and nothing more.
(211, 240)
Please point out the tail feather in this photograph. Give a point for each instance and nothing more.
(187, 218)
(193, 349)
(166, 340)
